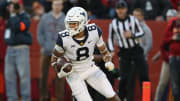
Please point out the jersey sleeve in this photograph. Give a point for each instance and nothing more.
(138, 29)
(59, 41)
(99, 31)
(59, 44)
(100, 42)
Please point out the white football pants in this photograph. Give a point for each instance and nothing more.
(94, 77)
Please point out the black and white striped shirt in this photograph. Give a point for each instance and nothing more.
(117, 28)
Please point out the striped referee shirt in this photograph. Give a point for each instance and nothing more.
(117, 28)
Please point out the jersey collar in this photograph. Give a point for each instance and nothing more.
(82, 42)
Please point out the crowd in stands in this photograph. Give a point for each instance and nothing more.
(105, 9)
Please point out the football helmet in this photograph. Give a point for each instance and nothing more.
(76, 15)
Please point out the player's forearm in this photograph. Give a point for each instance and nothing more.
(106, 55)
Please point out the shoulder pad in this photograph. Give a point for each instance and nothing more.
(64, 33)
(93, 26)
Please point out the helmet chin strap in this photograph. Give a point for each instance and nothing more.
(73, 32)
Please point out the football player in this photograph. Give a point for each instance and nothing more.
(73, 56)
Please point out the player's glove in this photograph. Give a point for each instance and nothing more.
(62, 66)
(62, 72)
(109, 65)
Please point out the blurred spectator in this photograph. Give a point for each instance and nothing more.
(171, 44)
(4, 13)
(47, 4)
(67, 5)
(18, 39)
(110, 4)
(170, 13)
(90, 15)
(146, 44)
(175, 3)
(50, 24)
(147, 38)
(28, 4)
(38, 10)
(164, 76)
(80, 3)
(84, 4)
(2, 58)
(153, 9)
(97, 8)
(105, 2)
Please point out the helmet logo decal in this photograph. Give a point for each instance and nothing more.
(82, 13)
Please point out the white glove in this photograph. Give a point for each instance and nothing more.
(109, 65)
(62, 74)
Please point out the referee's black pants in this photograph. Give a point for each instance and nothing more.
(131, 62)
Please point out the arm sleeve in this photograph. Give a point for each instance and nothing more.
(100, 42)
(111, 38)
(40, 32)
(99, 31)
(164, 46)
(59, 44)
(138, 30)
(167, 37)
(100, 39)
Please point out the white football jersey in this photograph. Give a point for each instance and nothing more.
(80, 51)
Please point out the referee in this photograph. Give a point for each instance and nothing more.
(127, 31)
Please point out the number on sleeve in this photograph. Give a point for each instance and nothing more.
(64, 34)
(90, 28)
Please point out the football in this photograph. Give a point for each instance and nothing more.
(63, 61)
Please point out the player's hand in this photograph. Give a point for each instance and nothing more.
(156, 57)
(127, 34)
(109, 65)
(174, 37)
